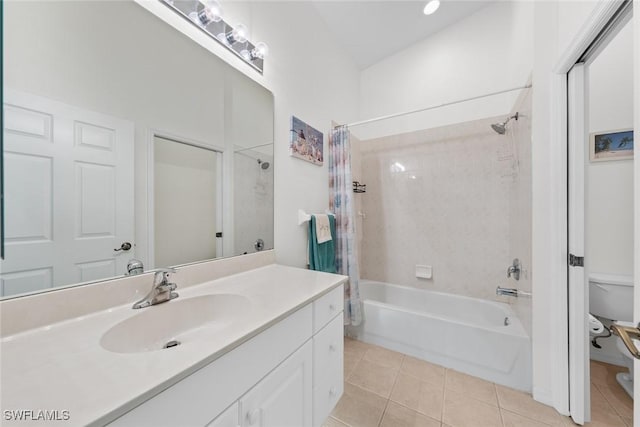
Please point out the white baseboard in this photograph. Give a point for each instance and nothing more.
(610, 359)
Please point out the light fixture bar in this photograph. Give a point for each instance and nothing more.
(234, 38)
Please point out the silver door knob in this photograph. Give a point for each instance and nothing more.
(123, 247)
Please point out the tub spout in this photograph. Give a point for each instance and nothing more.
(510, 292)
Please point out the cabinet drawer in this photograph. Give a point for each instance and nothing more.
(327, 307)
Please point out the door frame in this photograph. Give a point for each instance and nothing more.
(220, 211)
(558, 257)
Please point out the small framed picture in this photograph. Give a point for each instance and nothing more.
(611, 145)
(306, 142)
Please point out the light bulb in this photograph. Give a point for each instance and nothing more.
(239, 34)
(211, 12)
(431, 7)
(260, 51)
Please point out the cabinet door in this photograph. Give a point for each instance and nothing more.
(228, 418)
(283, 398)
(328, 371)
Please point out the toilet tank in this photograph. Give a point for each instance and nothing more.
(611, 296)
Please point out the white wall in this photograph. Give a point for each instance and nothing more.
(311, 78)
(486, 52)
(610, 183)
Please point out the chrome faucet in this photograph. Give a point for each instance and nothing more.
(162, 290)
(510, 292)
(514, 269)
(134, 267)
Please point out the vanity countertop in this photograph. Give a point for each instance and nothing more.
(63, 367)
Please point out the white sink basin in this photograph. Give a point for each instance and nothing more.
(179, 320)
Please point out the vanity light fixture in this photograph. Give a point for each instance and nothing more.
(236, 35)
(431, 7)
(207, 16)
(258, 52)
(210, 12)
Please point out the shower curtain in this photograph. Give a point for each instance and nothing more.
(341, 204)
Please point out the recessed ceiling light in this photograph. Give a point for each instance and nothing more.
(431, 7)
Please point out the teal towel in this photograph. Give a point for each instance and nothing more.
(322, 257)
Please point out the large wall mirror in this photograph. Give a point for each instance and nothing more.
(124, 139)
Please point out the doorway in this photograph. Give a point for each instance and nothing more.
(601, 223)
(187, 202)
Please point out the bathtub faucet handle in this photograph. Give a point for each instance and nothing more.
(514, 269)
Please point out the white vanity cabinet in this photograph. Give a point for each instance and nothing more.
(229, 418)
(284, 397)
(289, 375)
(328, 384)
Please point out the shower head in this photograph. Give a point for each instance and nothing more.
(263, 165)
(501, 128)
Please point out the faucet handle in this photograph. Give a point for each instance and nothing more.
(161, 275)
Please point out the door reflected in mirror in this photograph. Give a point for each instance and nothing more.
(187, 202)
(91, 156)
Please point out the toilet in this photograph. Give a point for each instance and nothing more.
(611, 297)
(625, 379)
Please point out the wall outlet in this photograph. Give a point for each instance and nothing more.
(424, 271)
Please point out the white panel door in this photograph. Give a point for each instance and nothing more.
(579, 375)
(68, 194)
(283, 398)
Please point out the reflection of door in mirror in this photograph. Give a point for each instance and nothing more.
(187, 206)
(68, 174)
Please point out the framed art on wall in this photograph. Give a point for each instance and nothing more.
(611, 145)
(306, 142)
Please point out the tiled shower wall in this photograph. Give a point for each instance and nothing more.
(520, 207)
(443, 197)
(253, 202)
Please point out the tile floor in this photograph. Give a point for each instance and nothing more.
(389, 389)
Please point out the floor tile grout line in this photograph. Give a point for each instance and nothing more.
(444, 391)
(598, 386)
(470, 395)
(495, 390)
(395, 380)
(612, 407)
(523, 416)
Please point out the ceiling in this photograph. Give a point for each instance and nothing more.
(372, 30)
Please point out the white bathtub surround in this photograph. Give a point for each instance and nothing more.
(440, 197)
(341, 203)
(63, 366)
(253, 200)
(519, 135)
(481, 338)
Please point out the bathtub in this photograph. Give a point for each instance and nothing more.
(478, 337)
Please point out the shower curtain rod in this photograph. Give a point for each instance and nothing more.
(446, 104)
